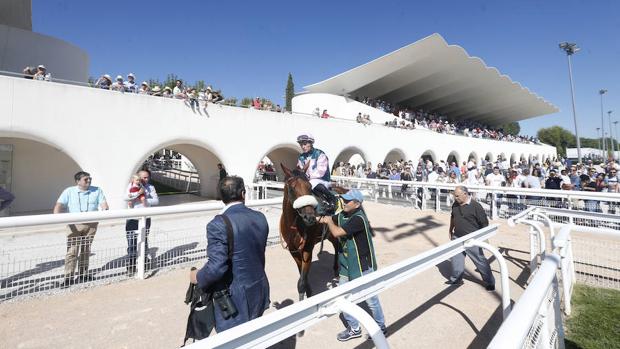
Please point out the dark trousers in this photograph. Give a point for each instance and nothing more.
(131, 229)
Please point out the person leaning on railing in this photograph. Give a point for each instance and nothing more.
(81, 198)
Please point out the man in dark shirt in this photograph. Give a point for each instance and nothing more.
(468, 216)
(553, 182)
(356, 255)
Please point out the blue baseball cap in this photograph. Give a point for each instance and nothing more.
(353, 194)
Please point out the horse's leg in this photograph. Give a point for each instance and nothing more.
(303, 286)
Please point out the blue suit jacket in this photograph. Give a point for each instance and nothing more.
(250, 287)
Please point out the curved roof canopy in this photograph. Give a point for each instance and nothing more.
(437, 77)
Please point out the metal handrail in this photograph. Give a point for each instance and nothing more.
(503, 190)
(516, 327)
(81, 217)
(281, 324)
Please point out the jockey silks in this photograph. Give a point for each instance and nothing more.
(319, 166)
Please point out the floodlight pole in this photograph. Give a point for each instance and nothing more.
(605, 149)
(570, 49)
(617, 144)
(612, 148)
(599, 140)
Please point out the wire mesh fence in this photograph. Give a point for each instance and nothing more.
(34, 261)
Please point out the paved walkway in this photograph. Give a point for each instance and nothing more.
(421, 313)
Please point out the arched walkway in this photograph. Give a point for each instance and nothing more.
(453, 157)
(489, 157)
(347, 154)
(395, 155)
(286, 155)
(513, 159)
(429, 155)
(204, 160)
(35, 172)
(473, 156)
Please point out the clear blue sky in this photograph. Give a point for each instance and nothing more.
(248, 48)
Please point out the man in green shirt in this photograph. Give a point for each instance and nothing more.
(356, 255)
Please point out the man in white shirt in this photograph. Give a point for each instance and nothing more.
(131, 225)
(495, 179)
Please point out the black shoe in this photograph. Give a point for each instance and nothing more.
(489, 288)
(458, 282)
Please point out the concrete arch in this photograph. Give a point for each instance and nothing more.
(36, 171)
(513, 159)
(285, 154)
(202, 157)
(454, 157)
(347, 153)
(473, 155)
(429, 154)
(394, 155)
(489, 157)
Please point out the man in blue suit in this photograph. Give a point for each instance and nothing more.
(249, 289)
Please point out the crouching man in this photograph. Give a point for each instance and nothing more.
(356, 255)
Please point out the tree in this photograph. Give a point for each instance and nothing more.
(511, 128)
(230, 101)
(558, 137)
(290, 93)
(171, 80)
(200, 85)
(246, 102)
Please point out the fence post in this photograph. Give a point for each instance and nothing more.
(365, 320)
(437, 200)
(390, 192)
(141, 242)
(503, 271)
(424, 190)
(376, 192)
(494, 208)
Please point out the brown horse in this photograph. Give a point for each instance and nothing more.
(298, 226)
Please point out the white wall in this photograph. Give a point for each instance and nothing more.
(97, 130)
(20, 48)
(39, 173)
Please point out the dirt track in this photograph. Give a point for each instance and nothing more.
(421, 313)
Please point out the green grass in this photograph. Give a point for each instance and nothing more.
(595, 319)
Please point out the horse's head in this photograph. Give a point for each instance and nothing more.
(298, 192)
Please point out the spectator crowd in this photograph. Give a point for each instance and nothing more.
(555, 174)
(408, 118)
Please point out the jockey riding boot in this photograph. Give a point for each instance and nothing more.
(327, 200)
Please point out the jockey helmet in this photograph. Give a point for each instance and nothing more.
(305, 138)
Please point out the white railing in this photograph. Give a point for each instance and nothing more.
(281, 324)
(593, 246)
(535, 321)
(185, 181)
(264, 190)
(498, 202)
(32, 252)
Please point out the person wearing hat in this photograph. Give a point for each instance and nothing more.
(29, 72)
(130, 84)
(167, 92)
(104, 82)
(144, 88)
(317, 172)
(156, 91)
(42, 74)
(119, 85)
(356, 255)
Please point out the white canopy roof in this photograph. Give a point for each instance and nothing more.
(437, 77)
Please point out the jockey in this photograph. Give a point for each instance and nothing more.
(318, 170)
